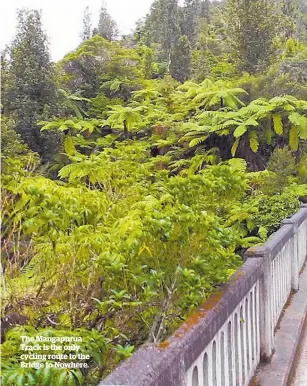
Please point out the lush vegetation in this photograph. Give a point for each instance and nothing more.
(136, 172)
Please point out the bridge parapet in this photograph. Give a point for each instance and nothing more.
(224, 341)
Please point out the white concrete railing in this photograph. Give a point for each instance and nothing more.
(229, 339)
(232, 356)
(281, 280)
(302, 245)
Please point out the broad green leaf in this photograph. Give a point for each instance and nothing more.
(303, 132)
(46, 374)
(238, 164)
(197, 141)
(298, 120)
(293, 138)
(235, 147)
(69, 146)
(250, 224)
(63, 128)
(253, 141)
(62, 379)
(278, 125)
(263, 232)
(78, 375)
(21, 380)
(268, 133)
(240, 130)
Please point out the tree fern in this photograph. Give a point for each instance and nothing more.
(198, 141)
(127, 117)
(294, 138)
(235, 146)
(253, 141)
(239, 131)
(268, 134)
(238, 164)
(277, 124)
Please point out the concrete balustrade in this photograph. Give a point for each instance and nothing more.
(233, 354)
(224, 341)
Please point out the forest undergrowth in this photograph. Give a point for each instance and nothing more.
(135, 174)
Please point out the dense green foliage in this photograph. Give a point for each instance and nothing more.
(175, 149)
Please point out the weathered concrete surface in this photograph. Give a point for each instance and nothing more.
(279, 371)
(300, 370)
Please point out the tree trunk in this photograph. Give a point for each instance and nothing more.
(126, 130)
(222, 102)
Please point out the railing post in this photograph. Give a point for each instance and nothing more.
(295, 269)
(304, 206)
(266, 288)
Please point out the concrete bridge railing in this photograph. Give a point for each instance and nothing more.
(224, 341)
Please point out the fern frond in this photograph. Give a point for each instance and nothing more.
(253, 141)
(293, 138)
(277, 124)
